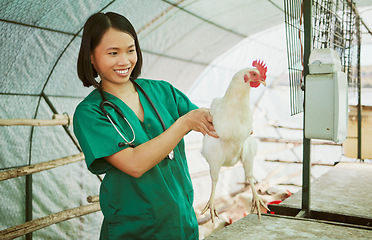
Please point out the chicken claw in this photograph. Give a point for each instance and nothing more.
(213, 211)
(257, 202)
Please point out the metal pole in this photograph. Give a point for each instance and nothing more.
(305, 212)
(358, 19)
(54, 110)
(29, 203)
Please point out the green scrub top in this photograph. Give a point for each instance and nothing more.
(157, 205)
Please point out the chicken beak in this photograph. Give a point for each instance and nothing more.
(263, 82)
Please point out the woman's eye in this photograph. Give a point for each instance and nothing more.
(113, 53)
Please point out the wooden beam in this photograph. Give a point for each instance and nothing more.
(93, 199)
(285, 127)
(285, 161)
(26, 170)
(46, 221)
(296, 141)
(58, 119)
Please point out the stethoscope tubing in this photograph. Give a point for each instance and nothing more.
(117, 110)
(152, 105)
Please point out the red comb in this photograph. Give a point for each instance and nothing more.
(261, 67)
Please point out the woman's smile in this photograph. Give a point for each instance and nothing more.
(122, 72)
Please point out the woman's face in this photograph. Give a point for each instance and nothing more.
(115, 57)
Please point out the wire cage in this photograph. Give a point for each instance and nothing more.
(334, 25)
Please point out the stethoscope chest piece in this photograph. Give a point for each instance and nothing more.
(171, 155)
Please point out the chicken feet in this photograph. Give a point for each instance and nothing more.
(256, 200)
(210, 204)
(248, 153)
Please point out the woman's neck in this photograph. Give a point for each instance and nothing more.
(128, 94)
(120, 90)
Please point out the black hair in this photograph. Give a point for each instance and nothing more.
(94, 29)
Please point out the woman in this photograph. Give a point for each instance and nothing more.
(145, 194)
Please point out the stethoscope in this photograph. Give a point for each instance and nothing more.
(118, 111)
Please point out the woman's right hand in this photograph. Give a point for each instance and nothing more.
(200, 120)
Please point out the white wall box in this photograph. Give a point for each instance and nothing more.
(326, 102)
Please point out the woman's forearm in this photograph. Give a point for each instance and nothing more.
(149, 154)
(136, 161)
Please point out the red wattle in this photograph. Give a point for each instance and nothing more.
(254, 84)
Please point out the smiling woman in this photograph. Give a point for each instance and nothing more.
(145, 194)
(114, 60)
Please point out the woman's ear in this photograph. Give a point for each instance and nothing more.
(93, 62)
(92, 59)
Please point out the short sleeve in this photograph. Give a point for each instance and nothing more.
(96, 136)
(184, 104)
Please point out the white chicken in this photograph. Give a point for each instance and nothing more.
(232, 120)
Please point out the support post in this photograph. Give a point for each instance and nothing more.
(29, 203)
(358, 19)
(306, 142)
